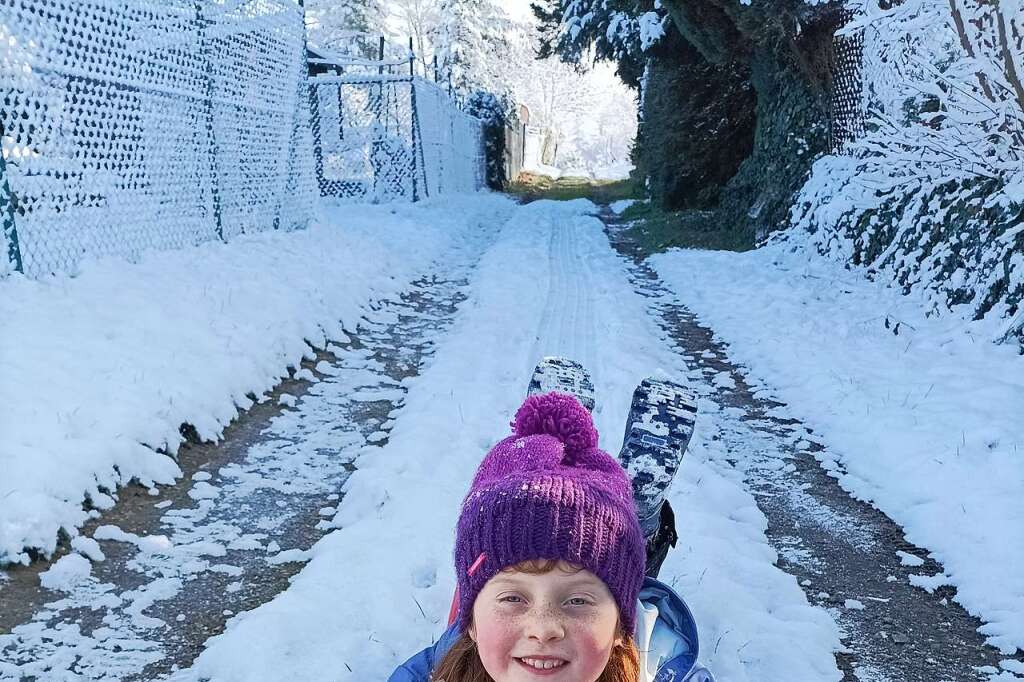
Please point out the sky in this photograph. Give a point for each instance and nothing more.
(518, 9)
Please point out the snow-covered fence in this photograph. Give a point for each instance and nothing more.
(847, 101)
(128, 126)
(380, 134)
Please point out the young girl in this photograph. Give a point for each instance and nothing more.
(549, 559)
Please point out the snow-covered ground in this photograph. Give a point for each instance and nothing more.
(100, 370)
(379, 586)
(922, 416)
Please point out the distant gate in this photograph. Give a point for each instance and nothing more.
(380, 134)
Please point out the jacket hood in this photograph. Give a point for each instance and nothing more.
(666, 634)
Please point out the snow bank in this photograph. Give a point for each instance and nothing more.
(100, 370)
(921, 416)
(379, 587)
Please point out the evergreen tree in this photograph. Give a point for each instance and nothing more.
(616, 31)
(471, 45)
(349, 27)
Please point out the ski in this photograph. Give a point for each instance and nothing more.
(555, 373)
(658, 430)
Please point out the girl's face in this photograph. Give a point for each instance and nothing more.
(559, 626)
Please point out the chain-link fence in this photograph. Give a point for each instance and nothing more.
(380, 135)
(847, 87)
(129, 126)
(133, 126)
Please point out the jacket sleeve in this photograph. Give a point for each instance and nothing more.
(699, 674)
(417, 668)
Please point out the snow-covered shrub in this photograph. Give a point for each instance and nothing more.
(496, 113)
(932, 195)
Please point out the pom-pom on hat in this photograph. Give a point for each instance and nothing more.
(548, 492)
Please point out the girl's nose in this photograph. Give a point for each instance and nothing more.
(544, 626)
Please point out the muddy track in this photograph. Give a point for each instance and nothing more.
(842, 551)
(217, 543)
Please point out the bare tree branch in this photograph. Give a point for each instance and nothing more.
(965, 42)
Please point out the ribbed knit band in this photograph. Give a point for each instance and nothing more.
(535, 497)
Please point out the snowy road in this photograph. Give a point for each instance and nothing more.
(550, 284)
(533, 280)
(850, 558)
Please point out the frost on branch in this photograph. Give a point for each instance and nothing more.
(932, 194)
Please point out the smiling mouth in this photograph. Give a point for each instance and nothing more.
(542, 665)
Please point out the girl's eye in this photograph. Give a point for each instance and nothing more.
(578, 601)
(511, 599)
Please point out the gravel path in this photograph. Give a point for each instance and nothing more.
(849, 557)
(182, 560)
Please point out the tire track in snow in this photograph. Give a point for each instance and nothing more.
(585, 307)
(568, 323)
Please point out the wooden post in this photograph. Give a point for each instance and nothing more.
(412, 57)
(435, 68)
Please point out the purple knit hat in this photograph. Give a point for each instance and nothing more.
(548, 492)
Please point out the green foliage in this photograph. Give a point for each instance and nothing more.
(656, 230)
(697, 127)
(955, 240)
(531, 187)
(603, 30)
(791, 132)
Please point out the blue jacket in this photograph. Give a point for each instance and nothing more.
(665, 630)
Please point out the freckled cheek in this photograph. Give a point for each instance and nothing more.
(495, 640)
(592, 648)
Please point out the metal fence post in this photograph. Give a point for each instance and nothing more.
(415, 118)
(210, 123)
(376, 144)
(293, 137)
(10, 231)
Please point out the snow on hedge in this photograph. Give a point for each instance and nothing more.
(932, 194)
(99, 371)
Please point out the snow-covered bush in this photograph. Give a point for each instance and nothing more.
(496, 113)
(932, 194)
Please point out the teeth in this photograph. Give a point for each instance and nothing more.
(542, 665)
